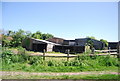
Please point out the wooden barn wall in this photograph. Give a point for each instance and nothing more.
(49, 47)
(56, 40)
(73, 49)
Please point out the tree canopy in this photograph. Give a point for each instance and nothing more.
(15, 38)
(92, 37)
(105, 42)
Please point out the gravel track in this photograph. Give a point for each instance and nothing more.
(12, 73)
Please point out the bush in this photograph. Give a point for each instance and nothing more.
(9, 57)
(21, 50)
(6, 56)
(35, 60)
(36, 63)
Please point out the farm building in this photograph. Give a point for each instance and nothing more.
(118, 48)
(38, 45)
(56, 40)
(65, 45)
(69, 42)
(59, 45)
(113, 45)
(98, 45)
(73, 49)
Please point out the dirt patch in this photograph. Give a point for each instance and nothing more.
(12, 73)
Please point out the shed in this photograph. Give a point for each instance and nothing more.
(38, 45)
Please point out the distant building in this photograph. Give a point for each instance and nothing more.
(38, 45)
(98, 45)
(113, 45)
(56, 40)
(69, 42)
(59, 45)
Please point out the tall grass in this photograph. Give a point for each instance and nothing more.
(25, 62)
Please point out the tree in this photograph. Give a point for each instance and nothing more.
(105, 42)
(15, 38)
(6, 40)
(37, 35)
(90, 43)
(46, 36)
(28, 34)
(18, 38)
(10, 33)
(92, 37)
(49, 36)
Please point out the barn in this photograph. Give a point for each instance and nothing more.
(59, 45)
(113, 45)
(38, 45)
(98, 45)
(56, 40)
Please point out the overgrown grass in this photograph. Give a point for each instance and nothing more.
(24, 62)
(104, 76)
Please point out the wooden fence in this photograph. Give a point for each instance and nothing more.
(68, 55)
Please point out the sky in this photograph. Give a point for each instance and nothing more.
(68, 20)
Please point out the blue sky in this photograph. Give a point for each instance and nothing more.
(68, 20)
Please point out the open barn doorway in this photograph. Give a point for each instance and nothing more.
(39, 47)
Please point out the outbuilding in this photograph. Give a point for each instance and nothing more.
(38, 45)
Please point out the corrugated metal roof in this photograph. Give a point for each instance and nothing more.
(45, 41)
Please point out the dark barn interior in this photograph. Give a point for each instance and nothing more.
(39, 47)
(73, 49)
(113, 45)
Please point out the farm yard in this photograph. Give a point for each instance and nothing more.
(56, 58)
(65, 40)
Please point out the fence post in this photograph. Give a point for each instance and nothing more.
(68, 51)
(109, 50)
(43, 54)
(93, 50)
(24, 51)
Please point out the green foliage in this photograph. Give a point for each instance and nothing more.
(90, 43)
(35, 60)
(5, 41)
(39, 35)
(105, 42)
(37, 64)
(91, 37)
(21, 50)
(15, 38)
(46, 36)
(26, 42)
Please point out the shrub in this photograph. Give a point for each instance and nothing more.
(21, 50)
(36, 63)
(35, 60)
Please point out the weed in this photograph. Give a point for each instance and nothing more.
(25, 62)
